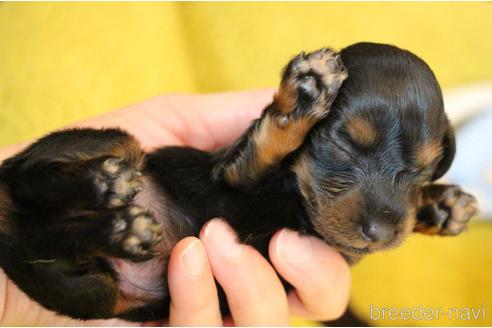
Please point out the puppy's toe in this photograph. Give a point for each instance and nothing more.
(328, 66)
(135, 234)
(308, 86)
(448, 213)
(117, 182)
(310, 83)
(462, 207)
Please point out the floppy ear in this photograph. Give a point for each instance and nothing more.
(449, 150)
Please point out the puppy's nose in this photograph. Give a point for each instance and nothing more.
(378, 232)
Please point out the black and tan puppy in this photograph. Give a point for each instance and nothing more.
(346, 151)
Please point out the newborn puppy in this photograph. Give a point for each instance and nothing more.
(346, 151)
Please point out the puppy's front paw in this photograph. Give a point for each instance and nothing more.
(317, 71)
(446, 212)
(135, 234)
(116, 182)
(310, 83)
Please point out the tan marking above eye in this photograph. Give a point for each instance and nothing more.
(361, 131)
(428, 152)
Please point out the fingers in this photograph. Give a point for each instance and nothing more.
(254, 292)
(319, 274)
(194, 300)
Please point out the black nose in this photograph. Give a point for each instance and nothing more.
(378, 232)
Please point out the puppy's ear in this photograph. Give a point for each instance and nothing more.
(449, 150)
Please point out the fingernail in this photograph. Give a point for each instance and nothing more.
(220, 236)
(193, 258)
(293, 248)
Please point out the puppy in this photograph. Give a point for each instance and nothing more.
(347, 151)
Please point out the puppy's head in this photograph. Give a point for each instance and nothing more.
(386, 135)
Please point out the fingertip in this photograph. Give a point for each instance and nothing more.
(189, 245)
(192, 288)
(254, 293)
(220, 239)
(290, 248)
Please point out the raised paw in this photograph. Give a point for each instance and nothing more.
(446, 210)
(310, 83)
(318, 70)
(117, 182)
(135, 234)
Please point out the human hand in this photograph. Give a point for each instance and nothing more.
(319, 274)
(256, 297)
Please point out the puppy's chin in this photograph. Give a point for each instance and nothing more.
(350, 250)
(343, 234)
(359, 248)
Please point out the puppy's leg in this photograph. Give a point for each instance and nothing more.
(52, 285)
(81, 290)
(126, 232)
(69, 209)
(75, 169)
(444, 210)
(73, 190)
(309, 85)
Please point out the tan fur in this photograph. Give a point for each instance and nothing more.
(361, 131)
(274, 142)
(126, 147)
(122, 302)
(409, 222)
(125, 303)
(305, 179)
(426, 229)
(286, 97)
(306, 183)
(271, 143)
(343, 214)
(233, 174)
(330, 217)
(428, 152)
(129, 150)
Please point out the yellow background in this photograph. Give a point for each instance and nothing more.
(62, 62)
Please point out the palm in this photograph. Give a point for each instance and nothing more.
(202, 121)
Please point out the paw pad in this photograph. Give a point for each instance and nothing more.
(136, 233)
(117, 182)
(310, 84)
(448, 214)
(324, 63)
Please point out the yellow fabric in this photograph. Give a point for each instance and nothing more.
(61, 62)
